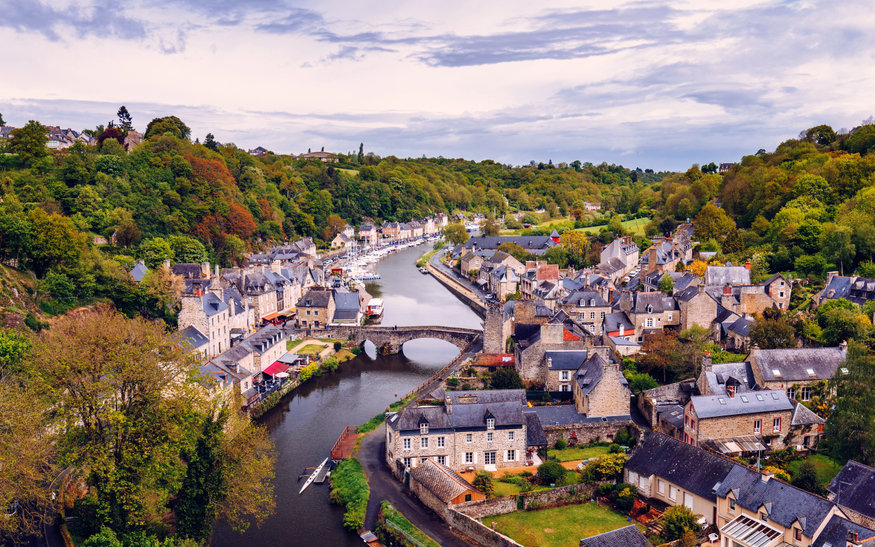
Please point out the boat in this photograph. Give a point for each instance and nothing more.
(375, 308)
(313, 476)
(423, 270)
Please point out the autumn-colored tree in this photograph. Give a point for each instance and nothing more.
(712, 223)
(212, 172)
(577, 244)
(455, 234)
(239, 221)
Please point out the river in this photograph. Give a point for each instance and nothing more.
(306, 423)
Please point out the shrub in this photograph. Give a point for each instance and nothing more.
(506, 378)
(604, 468)
(624, 438)
(483, 482)
(614, 448)
(560, 444)
(331, 364)
(453, 382)
(349, 487)
(356, 351)
(551, 473)
(778, 472)
(309, 371)
(337, 346)
(806, 478)
(466, 387)
(677, 520)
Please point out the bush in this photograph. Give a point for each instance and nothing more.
(453, 382)
(309, 371)
(614, 448)
(331, 364)
(356, 351)
(466, 387)
(560, 444)
(483, 482)
(604, 468)
(624, 438)
(349, 487)
(337, 346)
(551, 473)
(677, 520)
(506, 378)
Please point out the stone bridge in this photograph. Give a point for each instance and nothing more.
(390, 339)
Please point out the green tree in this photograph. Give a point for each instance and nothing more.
(490, 227)
(837, 245)
(455, 234)
(516, 251)
(840, 321)
(14, 347)
(106, 537)
(772, 333)
(55, 242)
(678, 520)
(210, 142)
(551, 473)
(155, 251)
(124, 119)
(557, 255)
(360, 157)
(187, 249)
(506, 378)
(205, 485)
(640, 382)
(850, 428)
(168, 125)
(666, 284)
(862, 140)
(712, 223)
(806, 478)
(820, 134)
(483, 482)
(2, 121)
(29, 142)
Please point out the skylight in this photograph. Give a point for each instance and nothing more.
(776, 372)
(744, 398)
(844, 370)
(774, 396)
(722, 400)
(810, 371)
(760, 397)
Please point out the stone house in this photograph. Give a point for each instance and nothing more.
(798, 371)
(736, 424)
(210, 315)
(437, 486)
(664, 256)
(315, 309)
(858, 290)
(680, 281)
(671, 472)
(347, 308)
(470, 262)
(342, 241)
(852, 490)
(501, 281)
(624, 249)
(471, 430)
(738, 335)
(649, 312)
(587, 307)
(533, 341)
(600, 389)
(368, 234)
(241, 365)
(697, 307)
(536, 245)
(562, 366)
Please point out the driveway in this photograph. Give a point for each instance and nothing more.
(384, 486)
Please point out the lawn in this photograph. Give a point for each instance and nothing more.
(559, 526)
(510, 489)
(572, 453)
(309, 349)
(635, 227)
(827, 468)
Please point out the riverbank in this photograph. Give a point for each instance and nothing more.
(458, 289)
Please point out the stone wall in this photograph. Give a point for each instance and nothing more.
(736, 426)
(588, 431)
(476, 531)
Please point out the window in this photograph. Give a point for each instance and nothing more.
(442, 460)
(510, 435)
(489, 458)
(603, 315)
(672, 493)
(468, 438)
(489, 437)
(660, 486)
(764, 516)
(670, 315)
(511, 455)
(731, 504)
(423, 442)
(440, 442)
(692, 423)
(791, 393)
(467, 497)
(781, 294)
(407, 444)
(469, 457)
(564, 375)
(757, 427)
(592, 315)
(686, 420)
(406, 462)
(806, 394)
(649, 322)
(565, 387)
(423, 460)
(490, 423)
(423, 429)
(776, 425)
(797, 533)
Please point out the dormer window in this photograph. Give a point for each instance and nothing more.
(490, 423)
(423, 429)
(764, 516)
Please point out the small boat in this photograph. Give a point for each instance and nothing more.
(423, 270)
(375, 308)
(313, 476)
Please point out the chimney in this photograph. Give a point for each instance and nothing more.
(767, 475)
(217, 271)
(844, 345)
(205, 270)
(706, 362)
(448, 404)
(747, 264)
(727, 290)
(731, 391)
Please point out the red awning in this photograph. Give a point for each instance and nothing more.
(275, 368)
(270, 316)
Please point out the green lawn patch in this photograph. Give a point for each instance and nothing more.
(572, 453)
(635, 227)
(396, 523)
(826, 467)
(349, 487)
(560, 526)
(310, 349)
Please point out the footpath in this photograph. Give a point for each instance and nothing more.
(446, 277)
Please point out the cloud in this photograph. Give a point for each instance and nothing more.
(103, 18)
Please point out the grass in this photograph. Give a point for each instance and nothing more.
(635, 227)
(400, 521)
(310, 349)
(826, 467)
(559, 526)
(572, 453)
(349, 487)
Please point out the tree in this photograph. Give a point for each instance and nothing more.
(666, 284)
(361, 155)
(605, 468)
(712, 223)
(210, 142)
(490, 227)
(862, 140)
(483, 482)
(111, 133)
(806, 478)
(516, 251)
(557, 255)
(2, 121)
(506, 378)
(29, 142)
(455, 233)
(640, 382)
(125, 393)
(155, 251)
(772, 333)
(841, 320)
(205, 485)
(678, 520)
(819, 134)
(850, 428)
(55, 242)
(168, 125)
(550, 473)
(577, 245)
(187, 249)
(709, 168)
(239, 221)
(162, 285)
(124, 119)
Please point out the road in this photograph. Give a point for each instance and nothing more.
(384, 486)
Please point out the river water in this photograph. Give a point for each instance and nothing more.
(306, 423)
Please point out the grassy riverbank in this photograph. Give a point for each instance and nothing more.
(349, 487)
(423, 260)
(395, 526)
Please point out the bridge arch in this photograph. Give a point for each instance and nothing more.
(390, 339)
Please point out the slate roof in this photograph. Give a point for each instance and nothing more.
(854, 487)
(440, 480)
(793, 364)
(488, 396)
(741, 327)
(188, 271)
(653, 302)
(213, 304)
(462, 416)
(621, 537)
(837, 530)
(838, 287)
(714, 406)
(739, 375)
(727, 275)
(533, 244)
(803, 416)
(565, 360)
(783, 503)
(590, 373)
(585, 299)
(194, 337)
(611, 266)
(613, 322)
(346, 301)
(138, 272)
(673, 414)
(535, 435)
(315, 299)
(691, 468)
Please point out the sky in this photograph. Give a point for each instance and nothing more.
(645, 84)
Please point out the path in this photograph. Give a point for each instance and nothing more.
(384, 486)
(464, 288)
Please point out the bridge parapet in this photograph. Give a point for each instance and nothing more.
(390, 339)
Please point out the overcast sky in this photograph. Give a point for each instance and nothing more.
(644, 84)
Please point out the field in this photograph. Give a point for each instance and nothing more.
(560, 526)
(577, 453)
(826, 467)
(635, 226)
